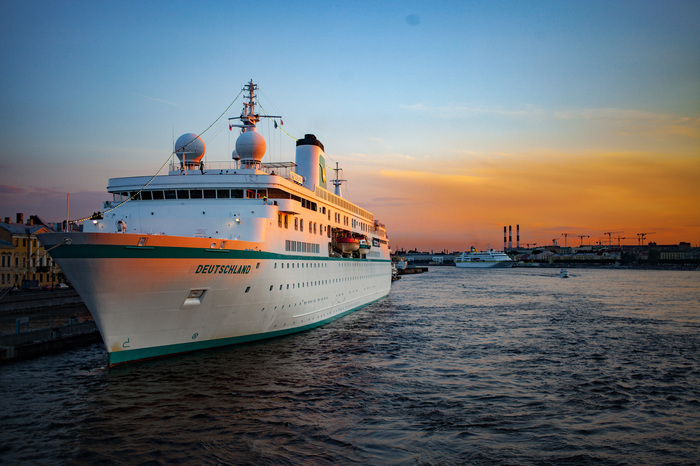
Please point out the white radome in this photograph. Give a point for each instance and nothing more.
(190, 147)
(251, 145)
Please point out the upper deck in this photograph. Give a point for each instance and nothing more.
(224, 180)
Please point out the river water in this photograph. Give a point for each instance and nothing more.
(455, 366)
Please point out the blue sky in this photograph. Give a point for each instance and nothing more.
(513, 98)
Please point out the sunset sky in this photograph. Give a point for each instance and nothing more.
(450, 119)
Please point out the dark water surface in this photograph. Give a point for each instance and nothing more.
(454, 367)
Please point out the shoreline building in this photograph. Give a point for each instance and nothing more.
(23, 261)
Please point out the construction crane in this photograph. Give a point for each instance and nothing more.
(610, 233)
(565, 235)
(642, 236)
(583, 236)
(619, 238)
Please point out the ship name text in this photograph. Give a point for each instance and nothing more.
(223, 269)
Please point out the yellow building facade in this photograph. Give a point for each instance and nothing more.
(23, 259)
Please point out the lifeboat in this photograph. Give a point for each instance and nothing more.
(364, 246)
(347, 244)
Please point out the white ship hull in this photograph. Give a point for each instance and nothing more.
(140, 296)
(483, 259)
(238, 252)
(485, 264)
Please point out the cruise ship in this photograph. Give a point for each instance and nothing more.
(483, 259)
(220, 253)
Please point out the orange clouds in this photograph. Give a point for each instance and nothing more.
(468, 201)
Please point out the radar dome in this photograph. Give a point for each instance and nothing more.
(234, 155)
(251, 145)
(189, 148)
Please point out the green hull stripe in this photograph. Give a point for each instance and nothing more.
(121, 357)
(101, 251)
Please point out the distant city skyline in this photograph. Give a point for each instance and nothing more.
(449, 119)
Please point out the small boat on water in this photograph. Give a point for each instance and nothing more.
(483, 259)
(564, 273)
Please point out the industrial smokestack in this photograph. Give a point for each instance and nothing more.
(517, 236)
(504, 238)
(510, 236)
(20, 218)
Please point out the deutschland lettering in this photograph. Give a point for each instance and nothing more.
(223, 269)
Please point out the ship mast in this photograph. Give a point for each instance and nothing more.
(337, 182)
(249, 118)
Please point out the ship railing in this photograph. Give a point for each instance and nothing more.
(287, 170)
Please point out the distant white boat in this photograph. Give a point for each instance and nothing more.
(483, 259)
(564, 273)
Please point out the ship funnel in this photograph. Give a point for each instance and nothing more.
(310, 162)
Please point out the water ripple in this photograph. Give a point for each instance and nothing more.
(454, 367)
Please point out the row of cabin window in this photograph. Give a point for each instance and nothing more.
(148, 195)
(189, 194)
(300, 246)
(315, 228)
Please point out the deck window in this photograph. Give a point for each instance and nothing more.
(195, 194)
(157, 195)
(209, 194)
(183, 194)
(223, 193)
(170, 194)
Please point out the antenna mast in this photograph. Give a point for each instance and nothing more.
(248, 116)
(337, 181)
